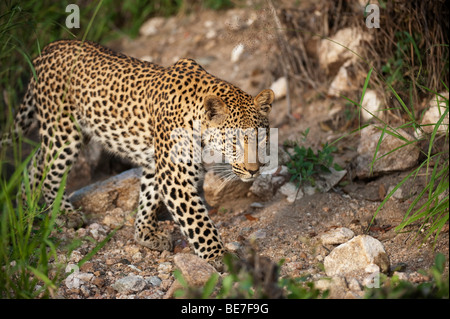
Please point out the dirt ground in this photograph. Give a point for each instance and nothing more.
(284, 230)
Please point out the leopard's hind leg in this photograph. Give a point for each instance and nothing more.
(61, 141)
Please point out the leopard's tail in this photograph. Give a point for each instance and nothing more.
(24, 119)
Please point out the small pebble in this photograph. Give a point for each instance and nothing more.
(154, 281)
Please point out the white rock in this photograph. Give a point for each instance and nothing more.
(76, 278)
(291, 192)
(323, 284)
(355, 255)
(341, 82)
(309, 190)
(398, 194)
(137, 256)
(75, 256)
(152, 26)
(337, 236)
(211, 34)
(252, 18)
(209, 24)
(165, 267)
(354, 284)
(336, 285)
(279, 88)
(437, 107)
(372, 268)
(130, 283)
(370, 105)
(368, 144)
(284, 171)
(233, 246)
(147, 58)
(400, 275)
(259, 234)
(338, 49)
(97, 231)
(326, 181)
(372, 280)
(72, 282)
(237, 52)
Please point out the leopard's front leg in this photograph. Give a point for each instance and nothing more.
(188, 210)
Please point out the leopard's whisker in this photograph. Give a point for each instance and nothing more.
(227, 179)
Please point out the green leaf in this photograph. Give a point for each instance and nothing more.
(210, 285)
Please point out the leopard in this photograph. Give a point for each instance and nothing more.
(82, 90)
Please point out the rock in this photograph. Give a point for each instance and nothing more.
(237, 52)
(283, 156)
(333, 54)
(118, 191)
(279, 88)
(147, 58)
(259, 234)
(137, 256)
(75, 256)
(370, 105)
(354, 285)
(368, 144)
(262, 187)
(342, 82)
(216, 192)
(352, 257)
(326, 181)
(256, 205)
(76, 279)
(99, 282)
(437, 107)
(211, 34)
(165, 267)
(372, 280)
(117, 217)
(97, 231)
(291, 192)
(154, 281)
(400, 275)
(337, 236)
(233, 246)
(398, 194)
(336, 286)
(372, 268)
(130, 283)
(151, 26)
(196, 271)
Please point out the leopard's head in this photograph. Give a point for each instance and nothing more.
(238, 129)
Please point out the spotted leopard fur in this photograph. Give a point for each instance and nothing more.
(84, 90)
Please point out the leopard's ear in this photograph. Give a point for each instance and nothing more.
(215, 110)
(263, 101)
